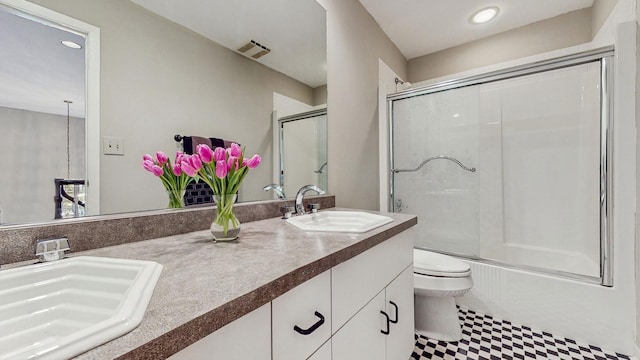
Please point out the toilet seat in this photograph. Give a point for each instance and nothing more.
(434, 264)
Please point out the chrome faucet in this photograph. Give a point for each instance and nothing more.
(278, 189)
(303, 190)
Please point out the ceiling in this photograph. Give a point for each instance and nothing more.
(294, 30)
(37, 72)
(420, 27)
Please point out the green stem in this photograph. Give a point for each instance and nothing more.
(225, 216)
(176, 198)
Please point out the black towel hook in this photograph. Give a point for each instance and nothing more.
(178, 138)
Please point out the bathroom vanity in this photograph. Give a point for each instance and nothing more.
(278, 293)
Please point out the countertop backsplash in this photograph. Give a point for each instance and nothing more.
(17, 243)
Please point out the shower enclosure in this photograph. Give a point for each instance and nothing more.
(511, 167)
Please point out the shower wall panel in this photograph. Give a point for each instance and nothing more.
(550, 169)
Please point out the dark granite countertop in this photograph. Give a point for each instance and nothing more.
(206, 285)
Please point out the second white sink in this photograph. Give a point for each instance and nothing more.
(60, 309)
(339, 221)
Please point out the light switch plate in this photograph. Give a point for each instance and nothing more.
(112, 145)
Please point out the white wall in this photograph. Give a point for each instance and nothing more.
(34, 153)
(355, 43)
(159, 79)
(556, 33)
(637, 218)
(600, 11)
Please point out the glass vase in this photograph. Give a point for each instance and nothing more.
(226, 226)
(176, 198)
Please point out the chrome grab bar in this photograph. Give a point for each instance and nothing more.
(395, 171)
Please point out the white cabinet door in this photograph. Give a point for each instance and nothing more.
(301, 319)
(361, 336)
(400, 341)
(324, 353)
(356, 281)
(246, 338)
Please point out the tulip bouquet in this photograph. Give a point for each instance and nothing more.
(223, 170)
(175, 180)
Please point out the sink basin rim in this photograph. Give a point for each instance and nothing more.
(125, 317)
(313, 222)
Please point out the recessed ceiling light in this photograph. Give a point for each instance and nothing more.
(484, 15)
(71, 44)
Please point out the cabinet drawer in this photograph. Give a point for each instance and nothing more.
(301, 319)
(230, 341)
(358, 280)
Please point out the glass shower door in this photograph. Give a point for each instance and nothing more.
(534, 201)
(441, 193)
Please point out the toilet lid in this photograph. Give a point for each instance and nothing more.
(434, 264)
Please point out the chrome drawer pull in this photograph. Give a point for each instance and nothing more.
(313, 328)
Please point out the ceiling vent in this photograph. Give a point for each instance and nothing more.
(254, 49)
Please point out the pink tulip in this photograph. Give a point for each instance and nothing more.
(146, 157)
(179, 156)
(157, 170)
(221, 169)
(195, 162)
(205, 152)
(219, 154)
(177, 171)
(235, 150)
(162, 157)
(148, 165)
(254, 161)
(187, 168)
(232, 163)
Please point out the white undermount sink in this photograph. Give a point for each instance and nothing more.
(339, 221)
(60, 309)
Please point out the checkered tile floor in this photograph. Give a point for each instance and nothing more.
(486, 338)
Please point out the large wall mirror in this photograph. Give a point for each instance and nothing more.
(144, 71)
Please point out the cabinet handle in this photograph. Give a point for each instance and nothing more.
(313, 327)
(395, 306)
(386, 332)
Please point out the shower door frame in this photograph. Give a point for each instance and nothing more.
(605, 57)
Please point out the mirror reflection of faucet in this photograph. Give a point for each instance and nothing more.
(278, 189)
(300, 195)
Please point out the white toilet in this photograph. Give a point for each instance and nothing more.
(437, 280)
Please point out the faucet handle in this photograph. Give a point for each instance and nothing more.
(287, 211)
(52, 249)
(314, 207)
